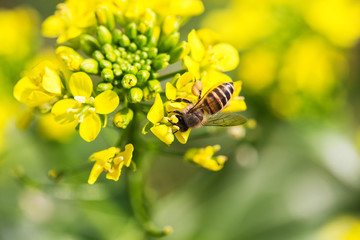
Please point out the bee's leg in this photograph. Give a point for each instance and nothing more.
(182, 100)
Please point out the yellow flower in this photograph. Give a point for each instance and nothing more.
(83, 108)
(41, 85)
(162, 128)
(110, 160)
(183, 8)
(205, 59)
(182, 88)
(204, 157)
(70, 20)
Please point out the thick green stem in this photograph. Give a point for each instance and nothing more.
(138, 199)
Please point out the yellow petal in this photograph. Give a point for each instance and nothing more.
(237, 88)
(38, 98)
(106, 102)
(164, 133)
(226, 57)
(156, 112)
(22, 87)
(182, 137)
(196, 46)
(81, 85)
(52, 26)
(170, 91)
(51, 81)
(115, 172)
(184, 80)
(208, 37)
(127, 154)
(104, 156)
(95, 172)
(212, 79)
(65, 110)
(172, 106)
(192, 66)
(237, 104)
(90, 127)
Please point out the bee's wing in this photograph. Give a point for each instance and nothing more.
(225, 119)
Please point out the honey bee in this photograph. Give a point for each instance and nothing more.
(212, 103)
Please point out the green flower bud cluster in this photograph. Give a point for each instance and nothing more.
(128, 57)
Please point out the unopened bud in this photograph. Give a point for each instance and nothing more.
(90, 66)
(170, 24)
(179, 52)
(124, 41)
(70, 57)
(120, 18)
(142, 76)
(161, 61)
(116, 35)
(123, 117)
(128, 81)
(130, 30)
(107, 74)
(103, 35)
(154, 86)
(148, 95)
(105, 64)
(105, 17)
(132, 47)
(135, 95)
(169, 41)
(98, 56)
(101, 87)
(117, 72)
(88, 44)
(141, 40)
(152, 52)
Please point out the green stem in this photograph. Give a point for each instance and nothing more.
(170, 75)
(138, 198)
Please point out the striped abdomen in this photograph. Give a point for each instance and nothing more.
(217, 99)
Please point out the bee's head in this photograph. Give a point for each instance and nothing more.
(181, 123)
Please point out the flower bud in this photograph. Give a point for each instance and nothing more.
(98, 56)
(124, 41)
(148, 95)
(117, 72)
(179, 52)
(142, 76)
(116, 35)
(123, 117)
(101, 87)
(170, 24)
(169, 41)
(130, 30)
(107, 74)
(105, 64)
(154, 86)
(88, 44)
(161, 61)
(128, 81)
(70, 57)
(141, 40)
(105, 17)
(133, 70)
(152, 52)
(90, 66)
(132, 47)
(135, 95)
(103, 35)
(120, 18)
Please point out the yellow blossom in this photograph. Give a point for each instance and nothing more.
(39, 86)
(83, 108)
(204, 157)
(162, 128)
(111, 161)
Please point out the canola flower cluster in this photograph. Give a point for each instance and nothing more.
(114, 50)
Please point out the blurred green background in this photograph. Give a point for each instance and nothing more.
(294, 176)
